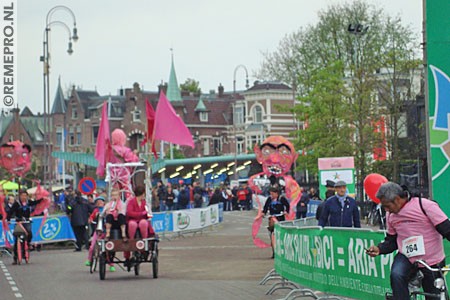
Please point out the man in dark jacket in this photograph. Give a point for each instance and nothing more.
(79, 211)
(328, 193)
(340, 210)
(302, 205)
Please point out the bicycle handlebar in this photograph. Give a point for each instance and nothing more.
(423, 263)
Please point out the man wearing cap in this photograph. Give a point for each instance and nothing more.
(340, 210)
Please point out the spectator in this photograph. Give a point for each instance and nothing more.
(216, 197)
(248, 199)
(313, 195)
(198, 195)
(242, 197)
(183, 197)
(79, 211)
(340, 210)
(162, 195)
(302, 205)
(170, 198)
(328, 193)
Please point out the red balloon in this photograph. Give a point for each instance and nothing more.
(372, 183)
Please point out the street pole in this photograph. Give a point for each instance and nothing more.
(45, 58)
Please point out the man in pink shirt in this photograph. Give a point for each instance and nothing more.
(415, 228)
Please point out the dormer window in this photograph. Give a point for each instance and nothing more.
(203, 116)
(74, 111)
(136, 115)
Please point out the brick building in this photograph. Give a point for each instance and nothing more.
(221, 123)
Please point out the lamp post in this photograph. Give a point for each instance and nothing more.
(234, 114)
(45, 58)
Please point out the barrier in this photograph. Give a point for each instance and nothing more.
(195, 219)
(56, 229)
(332, 260)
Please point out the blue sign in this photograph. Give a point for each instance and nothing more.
(312, 207)
(162, 222)
(55, 229)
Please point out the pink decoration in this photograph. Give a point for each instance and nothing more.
(103, 148)
(169, 126)
(15, 157)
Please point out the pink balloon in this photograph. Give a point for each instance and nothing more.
(372, 183)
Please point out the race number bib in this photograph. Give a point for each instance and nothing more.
(413, 246)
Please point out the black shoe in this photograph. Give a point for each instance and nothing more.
(15, 261)
(77, 250)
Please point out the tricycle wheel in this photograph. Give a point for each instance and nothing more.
(136, 268)
(155, 267)
(102, 266)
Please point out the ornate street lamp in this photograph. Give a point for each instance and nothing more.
(45, 58)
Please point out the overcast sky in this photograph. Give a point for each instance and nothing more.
(122, 42)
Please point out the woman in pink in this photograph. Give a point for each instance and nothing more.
(137, 214)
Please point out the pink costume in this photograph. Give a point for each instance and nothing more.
(276, 155)
(121, 154)
(137, 216)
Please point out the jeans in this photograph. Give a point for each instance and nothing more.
(402, 270)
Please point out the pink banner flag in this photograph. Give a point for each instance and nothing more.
(150, 127)
(103, 147)
(169, 126)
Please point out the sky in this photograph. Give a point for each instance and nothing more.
(122, 42)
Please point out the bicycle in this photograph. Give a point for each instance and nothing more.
(21, 242)
(272, 220)
(416, 283)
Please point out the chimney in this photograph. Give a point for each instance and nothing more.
(162, 87)
(220, 90)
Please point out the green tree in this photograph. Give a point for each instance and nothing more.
(330, 62)
(191, 85)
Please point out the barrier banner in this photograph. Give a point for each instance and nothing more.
(333, 260)
(189, 219)
(56, 229)
(162, 221)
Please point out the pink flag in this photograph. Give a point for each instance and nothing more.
(150, 127)
(169, 126)
(103, 147)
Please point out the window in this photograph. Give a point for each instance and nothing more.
(239, 115)
(74, 111)
(217, 142)
(21, 138)
(78, 135)
(71, 137)
(94, 134)
(402, 128)
(257, 114)
(203, 116)
(58, 137)
(240, 145)
(11, 138)
(206, 147)
(136, 115)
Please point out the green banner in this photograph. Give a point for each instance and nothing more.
(333, 260)
(438, 104)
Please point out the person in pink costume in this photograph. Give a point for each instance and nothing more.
(121, 154)
(138, 216)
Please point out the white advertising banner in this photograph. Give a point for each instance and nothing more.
(191, 219)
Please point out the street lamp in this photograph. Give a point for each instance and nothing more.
(234, 114)
(45, 58)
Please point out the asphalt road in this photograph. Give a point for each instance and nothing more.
(220, 263)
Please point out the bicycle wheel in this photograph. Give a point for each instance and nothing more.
(155, 261)
(19, 251)
(102, 266)
(26, 252)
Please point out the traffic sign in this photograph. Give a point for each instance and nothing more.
(87, 185)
